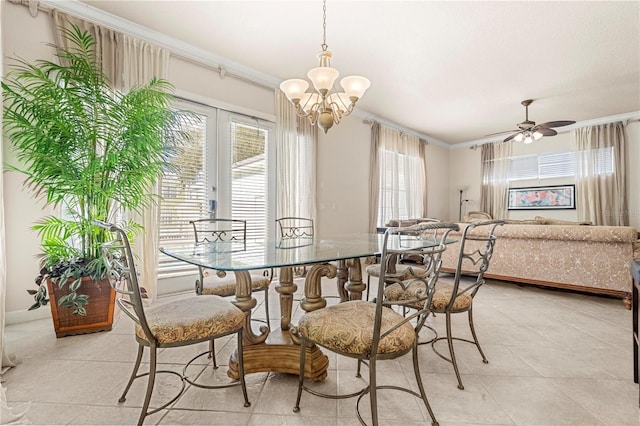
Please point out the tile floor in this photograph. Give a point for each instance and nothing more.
(556, 358)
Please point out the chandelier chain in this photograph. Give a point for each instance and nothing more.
(324, 25)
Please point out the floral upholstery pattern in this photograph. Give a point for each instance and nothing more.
(440, 299)
(443, 294)
(192, 318)
(374, 270)
(348, 328)
(397, 293)
(595, 257)
(226, 286)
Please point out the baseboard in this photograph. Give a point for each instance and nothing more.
(16, 317)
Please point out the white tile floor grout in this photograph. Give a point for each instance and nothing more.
(555, 358)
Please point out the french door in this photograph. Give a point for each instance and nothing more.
(227, 170)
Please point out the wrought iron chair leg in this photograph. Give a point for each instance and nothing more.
(134, 373)
(243, 382)
(451, 351)
(212, 353)
(373, 395)
(368, 285)
(303, 345)
(358, 375)
(475, 338)
(152, 379)
(423, 395)
(266, 306)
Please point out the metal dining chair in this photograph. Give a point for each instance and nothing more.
(296, 228)
(396, 265)
(182, 322)
(220, 283)
(373, 332)
(455, 295)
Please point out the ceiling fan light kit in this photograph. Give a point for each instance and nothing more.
(324, 106)
(530, 132)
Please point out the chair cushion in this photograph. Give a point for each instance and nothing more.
(348, 328)
(227, 286)
(395, 293)
(374, 270)
(192, 318)
(442, 296)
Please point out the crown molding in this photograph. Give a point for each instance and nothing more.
(186, 50)
(625, 117)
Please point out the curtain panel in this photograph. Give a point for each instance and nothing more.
(374, 177)
(296, 161)
(401, 176)
(128, 62)
(601, 188)
(495, 159)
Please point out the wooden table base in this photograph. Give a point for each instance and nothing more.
(279, 353)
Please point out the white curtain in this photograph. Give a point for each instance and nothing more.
(601, 190)
(14, 413)
(129, 62)
(495, 159)
(374, 177)
(402, 177)
(296, 161)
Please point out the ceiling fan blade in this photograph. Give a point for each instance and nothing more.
(556, 124)
(501, 133)
(511, 137)
(547, 132)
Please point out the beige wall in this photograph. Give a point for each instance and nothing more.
(633, 173)
(464, 169)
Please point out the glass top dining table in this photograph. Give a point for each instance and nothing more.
(263, 254)
(333, 257)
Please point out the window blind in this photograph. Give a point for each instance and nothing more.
(184, 198)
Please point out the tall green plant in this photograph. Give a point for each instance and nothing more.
(87, 147)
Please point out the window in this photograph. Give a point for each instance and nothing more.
(393, 188)
(401, 176)
(226, 165)
(556, 165)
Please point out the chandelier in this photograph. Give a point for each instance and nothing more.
(324, 105)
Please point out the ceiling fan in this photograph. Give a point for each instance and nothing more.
(528, 131)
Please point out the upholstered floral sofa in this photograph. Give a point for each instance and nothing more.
(594, 259)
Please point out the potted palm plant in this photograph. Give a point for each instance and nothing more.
(94, 152)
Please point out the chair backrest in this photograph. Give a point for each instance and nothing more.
(295, 227)
(406, 241)
(122, 275)
(476, 248)
(211, 230)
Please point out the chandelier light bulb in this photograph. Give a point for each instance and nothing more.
(294, 88)
(355, 86)
(537, 135)
(519, 137)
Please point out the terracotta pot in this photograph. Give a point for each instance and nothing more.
(99, 309)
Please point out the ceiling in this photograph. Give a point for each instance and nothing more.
(454, 71)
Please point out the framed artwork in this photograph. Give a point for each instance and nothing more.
(542, 197)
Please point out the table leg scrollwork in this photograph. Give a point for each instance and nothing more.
(245, 301)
